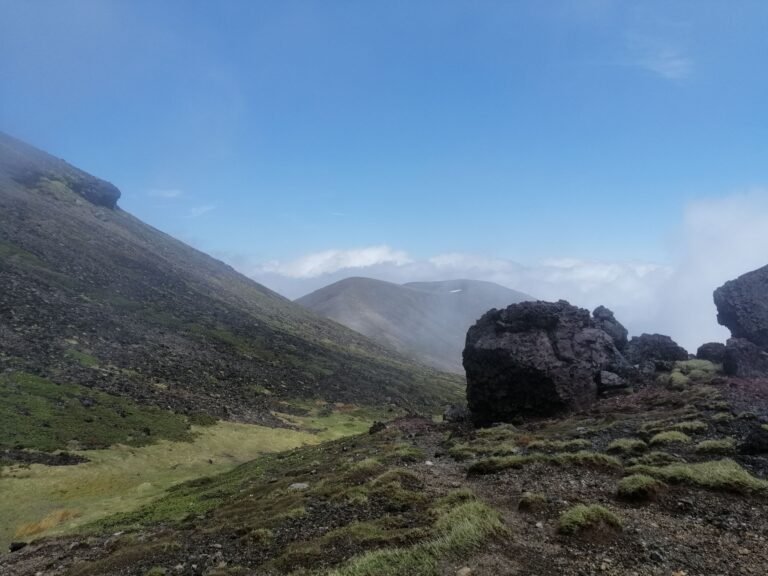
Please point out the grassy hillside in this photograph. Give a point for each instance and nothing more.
(100, 305)
(649, 484)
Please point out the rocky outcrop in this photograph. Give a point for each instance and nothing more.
(712, 351)
(742, 306)
(96, 191)
(606, 321)
(745, 359)
(656, 348)
(538, 358)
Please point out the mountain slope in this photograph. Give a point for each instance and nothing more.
(426, 320)
(94, 298)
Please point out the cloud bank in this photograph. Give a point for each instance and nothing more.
(719, 239)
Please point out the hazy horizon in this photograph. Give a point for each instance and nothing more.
(603, 152)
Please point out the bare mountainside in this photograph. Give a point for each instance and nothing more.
(94, 301)
(426, 320)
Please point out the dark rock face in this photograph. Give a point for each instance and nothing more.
(655, 348)
(712, 351)
(756, 442)
(537, 358)
(744, 359)
(742, 306)
(606, 321)
(96, 191)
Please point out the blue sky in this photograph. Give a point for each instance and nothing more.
(524, 131)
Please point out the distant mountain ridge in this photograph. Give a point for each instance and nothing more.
(424, 320)
(92, 297)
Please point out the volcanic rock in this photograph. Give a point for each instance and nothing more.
(744, 359)
(742, 306)
(712, 351)
(606, 321)
(656, 348)
(756, 442)
(536, 359)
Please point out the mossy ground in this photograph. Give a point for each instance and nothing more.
(38, 500)
(38, 414)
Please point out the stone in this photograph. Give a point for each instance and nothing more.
(656, 348)
(744, 359)
(712, 351)
(377, 427)
(742, 306)
(606, 321)
(466, 571)
(536, 359)
(610, 383)
(755, 442)
(299, 486)
(454, 413)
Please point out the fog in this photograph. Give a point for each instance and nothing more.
(718, 239)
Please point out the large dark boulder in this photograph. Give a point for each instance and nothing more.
(606, 321)
(96, 191)
(742, 306)
(756, 442)
(537, 359)
(744, 359)
(655, 348)
(712, 351)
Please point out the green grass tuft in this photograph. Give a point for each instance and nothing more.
(582, 517)
(583, 458)
(721, 446)
(723, 475)
(638, 487)
(559, 445)
(692, 426)
(627, 446)
(670, 437)
(458, 531)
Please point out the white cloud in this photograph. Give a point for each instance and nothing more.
(667, 63)
(169, 193)
(197, 211)
(719, 239)
(331, 261)
(662, 57)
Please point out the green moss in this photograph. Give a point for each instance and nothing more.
(721, 446)
(582, 517)
(722, 417)
(691, 426)
(670, 437)
(531, 501)
(655, 458)
(37, 414)
(458, 531)
(408, 453)
(723, 475)
(82, 358)
(583, 458)
(559, 445)
(627, 446)
(639, 487)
